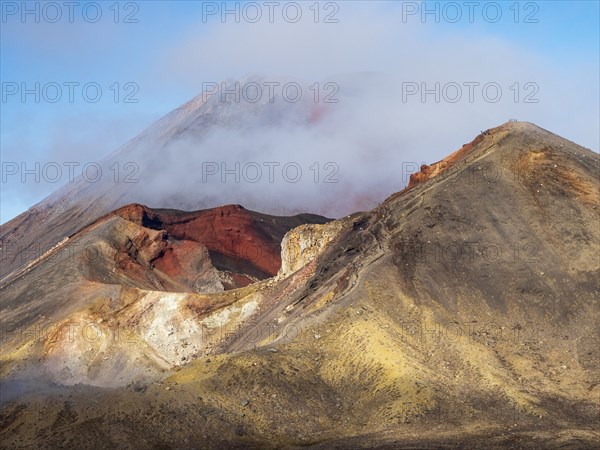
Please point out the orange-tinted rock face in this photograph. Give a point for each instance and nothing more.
(429, 171)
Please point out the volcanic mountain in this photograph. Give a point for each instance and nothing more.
(462, 312)
(165, 167)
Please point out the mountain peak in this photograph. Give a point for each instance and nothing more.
(522, 134)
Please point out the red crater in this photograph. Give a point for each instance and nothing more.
(242, 243)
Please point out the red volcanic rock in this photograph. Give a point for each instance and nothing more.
(243, 244)
(183, 261)
(227, 232)
(230, 232)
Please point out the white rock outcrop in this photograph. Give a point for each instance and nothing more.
(303, 244)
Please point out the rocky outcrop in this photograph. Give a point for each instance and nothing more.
(303, 244)
(427, 172)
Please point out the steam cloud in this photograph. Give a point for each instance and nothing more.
(374, 135)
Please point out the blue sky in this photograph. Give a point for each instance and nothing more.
(169, 51)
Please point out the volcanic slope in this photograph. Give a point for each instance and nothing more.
(135, 247)
(462, 312)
